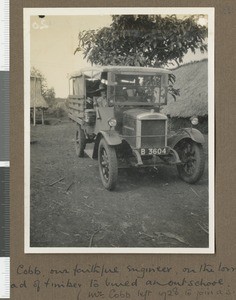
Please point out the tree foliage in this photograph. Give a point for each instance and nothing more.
(48, 93)
(143, 40)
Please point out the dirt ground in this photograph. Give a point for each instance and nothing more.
(70, 207)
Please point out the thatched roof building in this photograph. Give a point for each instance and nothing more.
(37, 102)
(192, 80)
(36, 98)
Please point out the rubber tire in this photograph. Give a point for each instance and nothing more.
(80, 146)
(110, 182)
(199, 159)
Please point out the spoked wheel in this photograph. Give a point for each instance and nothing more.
(192, 160)
(80, 141)
(108, 168)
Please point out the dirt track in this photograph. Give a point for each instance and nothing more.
(148, 208)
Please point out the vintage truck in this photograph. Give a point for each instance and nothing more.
(117, 111)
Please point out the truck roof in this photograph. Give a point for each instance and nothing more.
(97, 70)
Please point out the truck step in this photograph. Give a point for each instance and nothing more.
(89, 150)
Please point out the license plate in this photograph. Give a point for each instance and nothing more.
(153, 151)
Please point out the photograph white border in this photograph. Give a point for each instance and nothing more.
(28, 12)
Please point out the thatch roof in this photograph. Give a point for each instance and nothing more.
(36, 98)
(192, 80)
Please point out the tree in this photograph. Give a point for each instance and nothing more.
(143, 40)
(48, 93)
(49, 96)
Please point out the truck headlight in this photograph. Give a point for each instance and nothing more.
(194, 120)
(112, 122)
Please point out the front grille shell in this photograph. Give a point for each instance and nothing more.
(145, 129)
(153, 133)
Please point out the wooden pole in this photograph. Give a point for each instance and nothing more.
(34, 116)
(42, 116)
(34, 101)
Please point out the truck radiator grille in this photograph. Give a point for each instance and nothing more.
(153, 133)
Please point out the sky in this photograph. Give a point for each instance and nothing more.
(53, 40)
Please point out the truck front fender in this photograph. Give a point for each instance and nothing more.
(184, 133)
(111, 137)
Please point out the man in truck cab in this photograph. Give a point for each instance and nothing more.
(102, 100)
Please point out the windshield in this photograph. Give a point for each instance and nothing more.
(138, 89)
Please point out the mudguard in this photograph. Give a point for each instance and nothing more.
(184, 133)
(111, 137)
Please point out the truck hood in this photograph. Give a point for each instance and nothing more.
(144, 114)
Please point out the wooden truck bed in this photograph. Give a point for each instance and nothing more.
(76, 108)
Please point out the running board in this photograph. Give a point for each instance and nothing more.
(89, 150)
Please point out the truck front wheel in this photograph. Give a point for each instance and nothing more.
(108, 167)
(192, 160)
(80, 141)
